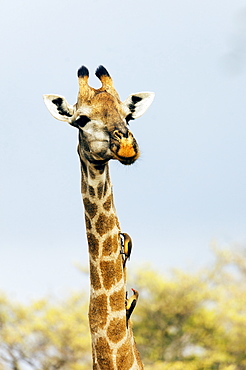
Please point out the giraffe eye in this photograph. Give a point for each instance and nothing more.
(82, 121)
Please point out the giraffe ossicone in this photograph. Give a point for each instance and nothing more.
(103, 124)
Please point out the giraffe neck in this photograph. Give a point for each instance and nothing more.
(113, 346)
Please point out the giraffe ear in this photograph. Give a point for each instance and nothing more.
(138, 104)
(59, 107)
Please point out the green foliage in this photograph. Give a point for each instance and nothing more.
(194, 321)
(44, 335)
(181, 322)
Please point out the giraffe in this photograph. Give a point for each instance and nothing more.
(102, 121)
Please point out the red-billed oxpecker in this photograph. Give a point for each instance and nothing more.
(130, 305)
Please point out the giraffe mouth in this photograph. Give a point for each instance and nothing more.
(127, 161)
(125, 155)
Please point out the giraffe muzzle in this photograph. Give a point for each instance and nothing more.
(125, 147)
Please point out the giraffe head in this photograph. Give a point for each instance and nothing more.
(102, 119)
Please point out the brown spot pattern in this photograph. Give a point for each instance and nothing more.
(116, 329)
(83, 186)
(104, 354)
(91, 208)
(95, 279)
(105, 223)
(87, 223)
(105, 188)
(117, 300)
(116, 242)
(107, 205)
(93, 244)
(117, 222)
(91, 191)
(111, 222)
(100, 190)
(101, 224)
(98, 312)
(107, 246)
(118, 268)
(124, 358)
(110, 245)
(108, 273)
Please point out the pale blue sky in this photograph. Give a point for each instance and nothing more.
(189, 186)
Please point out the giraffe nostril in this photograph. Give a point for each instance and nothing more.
(120, 135)
(117, 134)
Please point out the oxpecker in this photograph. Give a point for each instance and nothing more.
(126, 247)
(130, 305)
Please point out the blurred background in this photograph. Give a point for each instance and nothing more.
(187, 190)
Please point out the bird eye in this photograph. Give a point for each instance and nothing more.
(81, 121)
